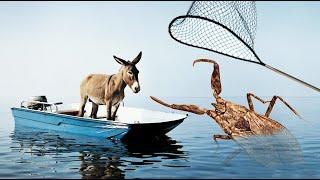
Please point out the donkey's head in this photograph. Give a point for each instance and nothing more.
(130, 72)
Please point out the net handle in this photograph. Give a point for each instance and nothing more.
(291, 77)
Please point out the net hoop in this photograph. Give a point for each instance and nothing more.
(184, 17)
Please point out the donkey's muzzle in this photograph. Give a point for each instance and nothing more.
(136, 89)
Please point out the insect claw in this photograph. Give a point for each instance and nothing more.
(183, 107)
(160, 102)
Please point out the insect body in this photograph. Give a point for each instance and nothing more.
(235, 120)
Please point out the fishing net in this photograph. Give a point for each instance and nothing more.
(225, 27)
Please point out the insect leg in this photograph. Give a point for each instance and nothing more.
(215, 137)
(184, 107)
(273, 101)
(224, 137)
(250, 100)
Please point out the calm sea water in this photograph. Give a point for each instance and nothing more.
(186, 152)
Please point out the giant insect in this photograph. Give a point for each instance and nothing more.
(235, 120)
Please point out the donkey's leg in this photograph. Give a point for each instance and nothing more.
(184, 107)
(250, 100)
(114, 111)
(94, 110)
(83, 101)
(273, 101)
(108, 109)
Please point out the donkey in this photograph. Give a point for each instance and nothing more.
(102, 89)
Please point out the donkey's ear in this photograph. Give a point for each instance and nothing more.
(120, 61)
(137, 59)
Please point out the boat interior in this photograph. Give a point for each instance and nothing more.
(131, 115)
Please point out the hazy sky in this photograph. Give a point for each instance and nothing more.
(49, 47)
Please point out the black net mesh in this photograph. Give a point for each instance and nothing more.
(226, 27)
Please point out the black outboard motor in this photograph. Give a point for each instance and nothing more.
(37, 106)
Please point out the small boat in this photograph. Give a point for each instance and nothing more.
(130, 122)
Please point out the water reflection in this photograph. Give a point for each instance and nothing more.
(98, 158)
(98, 165)
(162, 146)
